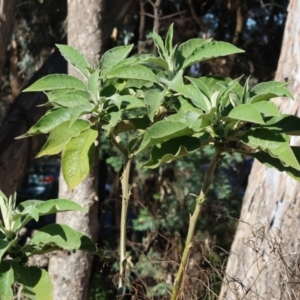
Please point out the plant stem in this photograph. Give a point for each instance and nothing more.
(208, 178)
(125, 199)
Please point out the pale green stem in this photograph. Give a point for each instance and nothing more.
(125, 199)
(208, 178)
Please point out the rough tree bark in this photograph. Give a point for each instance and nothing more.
(71, 271)
(264, 259)
(7, 9)
(17, 155)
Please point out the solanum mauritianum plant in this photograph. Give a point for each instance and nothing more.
(166, 111)
(35, 283)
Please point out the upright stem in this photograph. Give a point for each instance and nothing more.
(208, 178)
(125, 199)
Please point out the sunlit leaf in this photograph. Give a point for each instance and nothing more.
(246, 112)
(75, 58)
(78, 156)
(277, 145)
(112, 57)
(48, 122)
(210, 50)
(172, 150)
(6, 281)
(61, 136)
(56, 82)
(134, 72)
(153, 99)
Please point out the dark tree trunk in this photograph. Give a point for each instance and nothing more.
(7, 10)
(16, 155)
(264, 259)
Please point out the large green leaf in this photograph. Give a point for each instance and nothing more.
(246, 112)
(163, 131)
(48, 122)
(268, 90)
(273, 162)
(36, 282)
(189, 91)
(61, 135)
(72, 100)
(77, 157)
(185, 49)
(112, 57)
(210, 50)
(171, 150)
(59, 235)
(56, 82)
(6, 281)
(134, 72)
(153, 98)
(287, 124)
(267, 108)
(24, 210)
(277, 145)
(58, 94)
(75, 58)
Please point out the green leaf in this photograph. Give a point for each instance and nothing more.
(59, 235)
(200, 84)
(42, 208)
(160, 46)
(153, 99)
(268, 90)
(72, 100)
(169, 40)
(277, 145)
(114, 116)
(126, 101)
(189, 91)
(86, 244)
(163, 131)
(36, 282)
(134, 72)
(61, 135)
(48, 122)
(273, 162)
(185, 49)
(77, 157)
(56, 82)
(6, 281)
(57, 94)
(158, 61)
(171, 150)
(75, 58)
(210, 50)
(267, 108)
(78, 111)
(112, 57)
(4, 246)
(246, 112)
(287, 124)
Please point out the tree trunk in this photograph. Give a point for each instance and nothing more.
(16, 155)
(264, 259)
(71, 271)
(7, 9)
